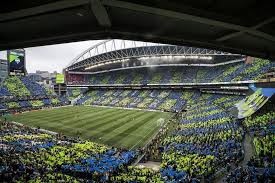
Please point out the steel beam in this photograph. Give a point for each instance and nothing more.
(184, 16)
(235, 34)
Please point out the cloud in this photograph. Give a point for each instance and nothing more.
(53, 57)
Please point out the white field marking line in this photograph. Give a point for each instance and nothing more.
(143, 137)
(154, 135)
(126, 108)
(66, 127)
(46, 108)
(147, 135)
(41, 129)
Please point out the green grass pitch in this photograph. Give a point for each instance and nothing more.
(110, 126)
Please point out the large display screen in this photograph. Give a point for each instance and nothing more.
(16, 59)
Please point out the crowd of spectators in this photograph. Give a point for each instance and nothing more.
(207, 140)
(240, 71)
(165, 100)
(19, 94)
(261, 167)
(153, 150)
(28, 155)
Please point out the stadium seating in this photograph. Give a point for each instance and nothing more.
(165, 100)
(16, 87)
(21, 93)
(192, 74)
(260, 168)
(203, 139)
(207, 139)
(33, 87)
(47, 101)
(4, 92)
(24, 104)
(73, 93)
(42, 157)
(150, 99)
(63, 100)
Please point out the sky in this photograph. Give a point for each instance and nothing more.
(54, 57)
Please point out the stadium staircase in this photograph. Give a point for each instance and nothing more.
(248, 153)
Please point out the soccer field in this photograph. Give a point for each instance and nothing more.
(111, 126)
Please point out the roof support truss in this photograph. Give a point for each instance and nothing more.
(235, 34)
(184, 16)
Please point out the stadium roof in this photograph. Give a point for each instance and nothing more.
(117, 52)
(246, 27)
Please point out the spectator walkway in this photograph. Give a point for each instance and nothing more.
(248, 153)
(150, 164)
(248, 150)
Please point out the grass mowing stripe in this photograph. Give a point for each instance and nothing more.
(44, 112)
(151, 123)
(116, 127)
(28, 118)
(147, 136)
(57, 120)
(123, 121)
(130, 123)
(118, 124)
(79, 121)
(117, 138)
(58, 116)
(61, 124)
(97, 119)
(44, 116)
(129, 120)
(41, 121)
(106, 122)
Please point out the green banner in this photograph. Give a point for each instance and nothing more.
(60, 78)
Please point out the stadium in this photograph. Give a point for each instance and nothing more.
(139, 111)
